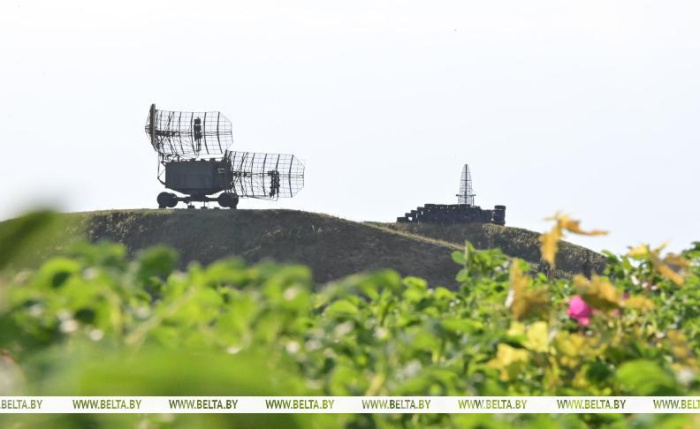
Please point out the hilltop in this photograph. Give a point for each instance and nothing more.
(517, 242)
(330, 246)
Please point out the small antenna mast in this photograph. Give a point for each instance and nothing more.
(466, 193)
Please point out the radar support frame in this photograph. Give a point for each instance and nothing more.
(194, 160)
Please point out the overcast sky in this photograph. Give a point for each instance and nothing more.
(590, 107)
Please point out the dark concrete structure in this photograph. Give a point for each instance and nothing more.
(464, 212)
(450, 214)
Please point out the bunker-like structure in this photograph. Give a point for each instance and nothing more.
(464, 212)
(450, 214)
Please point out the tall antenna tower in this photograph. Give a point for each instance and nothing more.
(451, 214)
(466, 193)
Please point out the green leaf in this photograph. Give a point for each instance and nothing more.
(342, 309)
(646, 378)
(26, 234)
(158, 261)
(458, 257)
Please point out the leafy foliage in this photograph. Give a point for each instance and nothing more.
(94, 322)
(549, 241)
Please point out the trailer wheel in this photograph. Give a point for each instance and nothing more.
(228, 200)
(166, 199)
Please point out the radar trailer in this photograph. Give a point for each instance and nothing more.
(194, 161)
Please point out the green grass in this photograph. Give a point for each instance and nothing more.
(512, 241)
(330, 246)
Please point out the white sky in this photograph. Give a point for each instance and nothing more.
(590, 107)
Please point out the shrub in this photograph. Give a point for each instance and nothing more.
(94, 322)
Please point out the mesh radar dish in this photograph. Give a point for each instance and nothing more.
(195, 161)
(466, 193)
(266, 175)
(188, 135)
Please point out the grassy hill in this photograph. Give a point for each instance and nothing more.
(512, 241)
(330, 246)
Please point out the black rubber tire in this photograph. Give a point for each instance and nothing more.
(166, 199)
(228, 200)
(224, 199)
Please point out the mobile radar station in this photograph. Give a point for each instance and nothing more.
(194, 161)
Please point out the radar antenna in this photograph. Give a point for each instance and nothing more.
(266, 175)
(188, 135)
(194, 160)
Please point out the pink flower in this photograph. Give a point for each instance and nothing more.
(579, 310)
